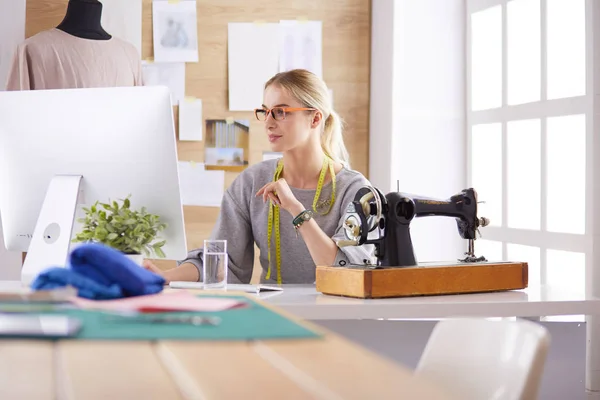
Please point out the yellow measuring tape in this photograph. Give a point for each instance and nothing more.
(273, 218)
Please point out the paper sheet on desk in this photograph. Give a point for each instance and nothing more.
(176, 301)
(200, 187)
(123, 19)
(253, 288)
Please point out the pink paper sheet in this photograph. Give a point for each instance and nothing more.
(161, 302)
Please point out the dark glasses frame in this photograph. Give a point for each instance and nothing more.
(278, 113)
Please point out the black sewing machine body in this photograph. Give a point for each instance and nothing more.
(392, 214)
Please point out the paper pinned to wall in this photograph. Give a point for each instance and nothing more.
(190, 119)
(166, 74)
(301, 46)
(271, 155)
(12, 33)
(200, 187)
(253, 59)
(123, 19)
(175, 31)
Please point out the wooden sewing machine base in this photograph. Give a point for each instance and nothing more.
(423, 280)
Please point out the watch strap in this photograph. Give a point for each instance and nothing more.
(301, 218)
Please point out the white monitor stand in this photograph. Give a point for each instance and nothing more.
(51, 238)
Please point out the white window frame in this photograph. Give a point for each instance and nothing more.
(539, 110)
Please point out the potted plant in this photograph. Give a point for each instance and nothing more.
(115, 224)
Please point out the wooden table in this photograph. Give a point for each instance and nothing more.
(325, 368)
(536, 301)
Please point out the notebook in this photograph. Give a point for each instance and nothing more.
(233, 287)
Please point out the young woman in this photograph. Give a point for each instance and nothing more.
(305, 193)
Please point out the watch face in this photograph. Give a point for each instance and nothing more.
(306, 216)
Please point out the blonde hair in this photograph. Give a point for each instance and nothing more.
(312, 92)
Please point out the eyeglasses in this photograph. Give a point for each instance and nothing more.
(278, 113)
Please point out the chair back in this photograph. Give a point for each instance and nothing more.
(482, 359)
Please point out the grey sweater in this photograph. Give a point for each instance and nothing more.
(243, 222)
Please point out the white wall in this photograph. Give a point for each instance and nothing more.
(12, 32)
(382, 94)
(419, 107)
(593, 189)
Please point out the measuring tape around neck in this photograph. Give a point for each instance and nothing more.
(273, 219)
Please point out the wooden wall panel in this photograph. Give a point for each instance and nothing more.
(346, 69)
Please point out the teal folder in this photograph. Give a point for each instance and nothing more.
(252, 322)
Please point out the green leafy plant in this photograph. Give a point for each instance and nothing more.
(116, 225)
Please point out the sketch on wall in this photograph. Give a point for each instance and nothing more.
(301, 46)
(175, 31)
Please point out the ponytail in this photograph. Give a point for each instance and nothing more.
(332, 141)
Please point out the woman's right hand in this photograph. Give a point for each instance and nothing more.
(183, 272)
(147, 264)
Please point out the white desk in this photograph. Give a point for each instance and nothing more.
(305, 302)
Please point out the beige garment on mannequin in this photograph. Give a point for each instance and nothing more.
(54, 59)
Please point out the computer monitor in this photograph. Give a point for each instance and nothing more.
(64, 149)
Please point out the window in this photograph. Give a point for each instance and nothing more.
(486, 70)
(527, 111)
(566, 48)
(486, 161)
(523, 191)
(523, 51)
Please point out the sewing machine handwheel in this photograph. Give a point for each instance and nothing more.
(372, 203)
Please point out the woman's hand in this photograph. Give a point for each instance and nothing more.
(147, 264)
(280, 193)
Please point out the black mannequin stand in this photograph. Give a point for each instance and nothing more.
(83, 20)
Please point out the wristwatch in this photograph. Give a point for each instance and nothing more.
(302, 218)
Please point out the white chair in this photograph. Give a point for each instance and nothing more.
(479, 359)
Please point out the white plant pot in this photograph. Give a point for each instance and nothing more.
(137, 258)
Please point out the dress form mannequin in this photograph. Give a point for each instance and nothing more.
(65, 57)
(83, 20)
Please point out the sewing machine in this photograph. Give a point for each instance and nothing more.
(384, 222)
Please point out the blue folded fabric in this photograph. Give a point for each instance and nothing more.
(106, 266)
(57, 277)
(101, 272)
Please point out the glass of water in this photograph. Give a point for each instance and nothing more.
(214, 264)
